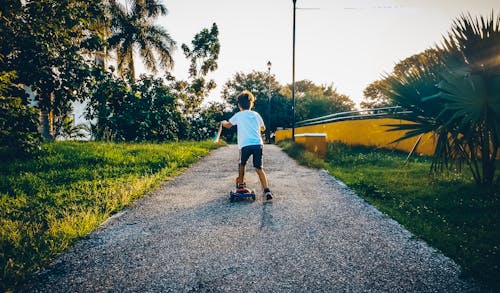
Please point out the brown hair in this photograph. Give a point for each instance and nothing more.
(246, 100)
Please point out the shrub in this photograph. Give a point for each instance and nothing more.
(18, 121)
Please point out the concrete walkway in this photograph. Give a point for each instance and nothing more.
(315, 236)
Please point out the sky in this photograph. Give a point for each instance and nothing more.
(347, 43)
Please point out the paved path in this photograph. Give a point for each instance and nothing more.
(316, 235)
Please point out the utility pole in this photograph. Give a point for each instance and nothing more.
(293, 73)
(268, 102)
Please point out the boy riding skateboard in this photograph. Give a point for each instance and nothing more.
(250, 125)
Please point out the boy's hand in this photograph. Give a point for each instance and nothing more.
(226, 124)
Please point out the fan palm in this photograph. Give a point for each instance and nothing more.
(135, 28)
(410, 90)
(463, 108)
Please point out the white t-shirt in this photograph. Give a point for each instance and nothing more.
(249, 123)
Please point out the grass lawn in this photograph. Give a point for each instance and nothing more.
(448, 211)
(48, 202)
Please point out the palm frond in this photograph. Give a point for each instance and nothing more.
(160, 40)
(149, 8)
(136, 29)
(147, 55)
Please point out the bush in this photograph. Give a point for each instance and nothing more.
(144, 110)
(18, 122)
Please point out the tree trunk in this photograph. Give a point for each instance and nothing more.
(47, 121)
(47, 125)
(100, 58)
(132, 66)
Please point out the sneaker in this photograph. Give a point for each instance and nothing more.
(242, 188)
(268, 194)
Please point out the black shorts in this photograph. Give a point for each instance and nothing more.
(252, 150)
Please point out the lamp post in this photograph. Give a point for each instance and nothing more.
(293, 73)
(268, 101)
(293, 66)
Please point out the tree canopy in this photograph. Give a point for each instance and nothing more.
(311, 100)
(203, 56)
(264, 87)
(375, 94)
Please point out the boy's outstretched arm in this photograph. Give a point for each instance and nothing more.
(226, 124)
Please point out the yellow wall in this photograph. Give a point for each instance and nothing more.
(369, 132)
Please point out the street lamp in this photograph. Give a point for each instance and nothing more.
(293, 73)
(269, 101)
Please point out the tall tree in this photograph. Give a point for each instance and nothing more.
(263, 87)
(134, 29)
(43, 47)
(203, 56)
(374, 93)
(374, 96)
(318, 100)
(416, 63)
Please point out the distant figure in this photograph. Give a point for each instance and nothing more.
(250, 125)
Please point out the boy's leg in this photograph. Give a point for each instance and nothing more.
(262, 178)
(244, 155)
(263, 181)
(241, 174)
(257, 163)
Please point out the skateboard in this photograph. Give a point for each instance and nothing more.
(244, 193)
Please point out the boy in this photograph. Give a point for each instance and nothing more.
(250, 125)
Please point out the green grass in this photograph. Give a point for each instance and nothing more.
(448, 211)
(47, 203)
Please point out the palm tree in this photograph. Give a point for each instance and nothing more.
(135, 29)
(471, 91)
(68, 129)
(100, 27)
(411, 90)
(463, 109)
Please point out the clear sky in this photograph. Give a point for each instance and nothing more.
(349, 43)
